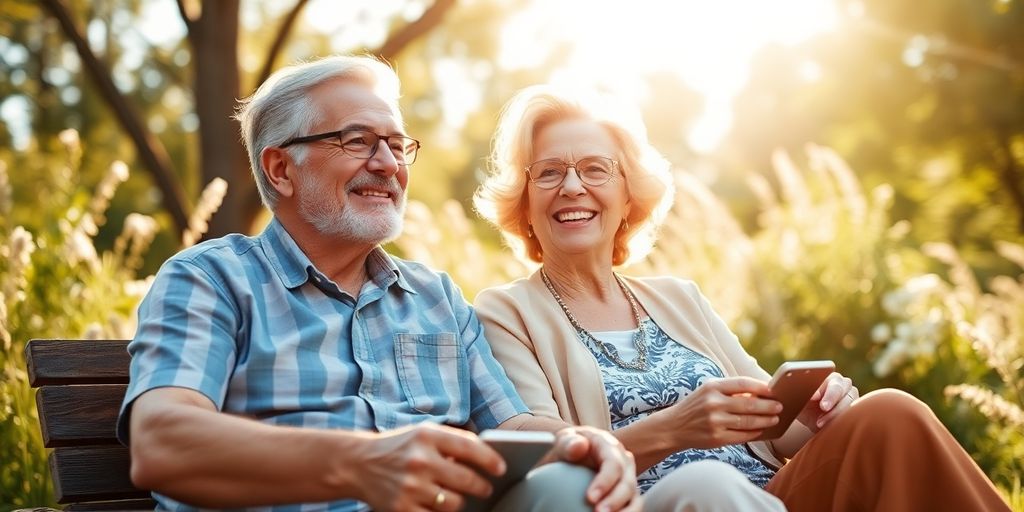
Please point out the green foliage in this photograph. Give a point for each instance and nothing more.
(54, 283)
(923, 96)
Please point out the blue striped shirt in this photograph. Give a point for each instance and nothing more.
(250, 323)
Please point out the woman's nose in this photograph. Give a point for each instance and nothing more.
(571, 184)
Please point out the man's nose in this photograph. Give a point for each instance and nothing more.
(383, 160)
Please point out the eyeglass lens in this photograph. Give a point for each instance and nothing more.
(364, 144)
(593, 171)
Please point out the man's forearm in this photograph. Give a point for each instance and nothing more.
(211, 459)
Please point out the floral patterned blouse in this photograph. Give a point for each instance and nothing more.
(675, 371)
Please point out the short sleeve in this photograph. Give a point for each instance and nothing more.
(493, 398)
(188, 327)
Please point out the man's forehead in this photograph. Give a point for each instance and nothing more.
(354, 103)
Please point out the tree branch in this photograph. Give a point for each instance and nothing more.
(150, 150)
(282, 35)
(407, 34)
(950, 49)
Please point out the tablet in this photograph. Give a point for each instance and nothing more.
(793, 384)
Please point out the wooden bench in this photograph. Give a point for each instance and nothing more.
(81, 385)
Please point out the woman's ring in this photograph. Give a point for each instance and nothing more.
(439, 499)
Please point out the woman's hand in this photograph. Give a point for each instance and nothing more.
(834, 397)
(614, 485)
(722, 412)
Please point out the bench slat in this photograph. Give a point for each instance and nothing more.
(92, 473)
(79, 415)
(77, 362)
(123, 505)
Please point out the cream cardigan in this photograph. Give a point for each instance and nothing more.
(557, 376)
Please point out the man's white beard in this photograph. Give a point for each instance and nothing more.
(319, 207)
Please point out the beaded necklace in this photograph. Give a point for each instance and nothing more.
(639, 338)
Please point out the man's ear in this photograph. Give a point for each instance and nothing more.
(277, 167)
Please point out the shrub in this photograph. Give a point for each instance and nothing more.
(56, 284)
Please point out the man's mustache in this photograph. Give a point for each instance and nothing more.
(389, 185)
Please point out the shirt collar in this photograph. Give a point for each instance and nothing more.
(381, 268)
(284, 255)
(294, 268)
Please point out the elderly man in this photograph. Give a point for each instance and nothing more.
(305, 365)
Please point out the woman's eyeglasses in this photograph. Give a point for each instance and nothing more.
(592, 170)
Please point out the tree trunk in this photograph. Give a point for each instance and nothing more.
(214, 37)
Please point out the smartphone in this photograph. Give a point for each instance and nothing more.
(793, 384)
(522, 450)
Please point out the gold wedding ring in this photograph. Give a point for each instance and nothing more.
(439, 499)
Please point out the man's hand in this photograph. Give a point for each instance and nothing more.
(614, 486)
(425, 467)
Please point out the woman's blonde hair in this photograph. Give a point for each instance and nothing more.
(502, 198)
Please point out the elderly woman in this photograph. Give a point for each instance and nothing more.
(576, 187)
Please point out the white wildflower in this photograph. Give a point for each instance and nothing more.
(93, 331)
(81, 250)
(135, 237)
(138, 288)
(904, 331)
(899, 230)
(923, 284)
(1011, 251)
(116, 174)
(881, 333)
(990, 404)
(118, 171)
(19, 255)
(895, 302)
(789, 249)
(746, 328)
(69, 138)
(890, 358)
(209, 202)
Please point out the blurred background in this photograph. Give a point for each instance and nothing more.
(849, 173)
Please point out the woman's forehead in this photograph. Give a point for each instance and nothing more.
(573, 138)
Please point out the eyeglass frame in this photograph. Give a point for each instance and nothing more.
(338, 133)
(615, 167)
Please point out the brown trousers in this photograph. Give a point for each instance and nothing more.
(888, 452)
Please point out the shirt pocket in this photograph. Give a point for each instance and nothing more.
(434, 373)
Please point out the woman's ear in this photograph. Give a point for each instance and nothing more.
(277, 166)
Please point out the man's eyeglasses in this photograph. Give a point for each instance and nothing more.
(592, 170)
(364, 144)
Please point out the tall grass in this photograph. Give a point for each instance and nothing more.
(56, 284)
